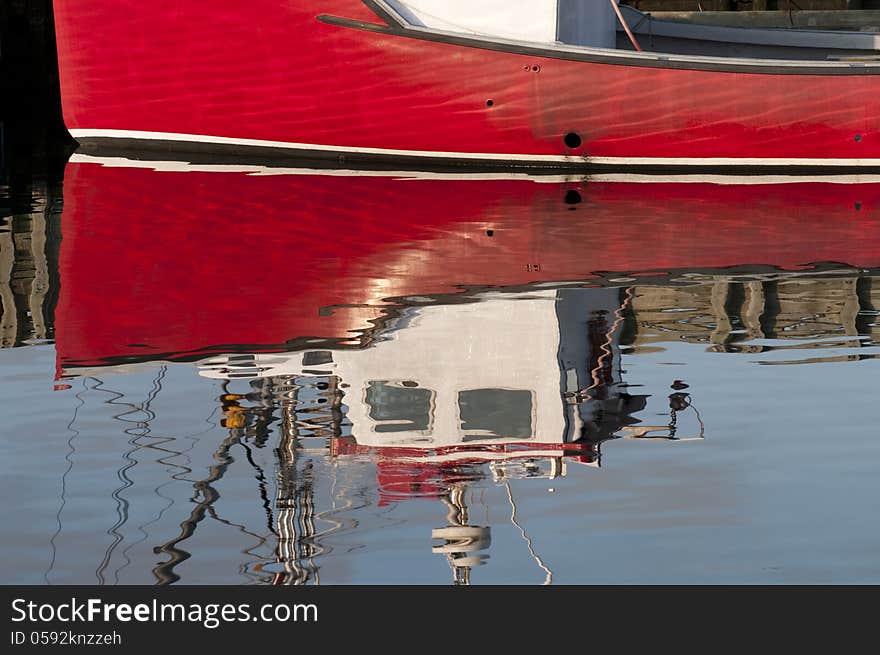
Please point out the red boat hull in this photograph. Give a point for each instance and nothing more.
(269, 74)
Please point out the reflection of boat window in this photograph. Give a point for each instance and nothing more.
(317, 357)
(399, 407)
(487, 413)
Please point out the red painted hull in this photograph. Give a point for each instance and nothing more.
(271, 71)
(182, 264)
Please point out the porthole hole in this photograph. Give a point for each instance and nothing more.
(572, 140)
(572, 197)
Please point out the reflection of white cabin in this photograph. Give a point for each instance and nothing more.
(471, 373)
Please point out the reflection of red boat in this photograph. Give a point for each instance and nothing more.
(189, 264)
(369, 80)
(184, 264)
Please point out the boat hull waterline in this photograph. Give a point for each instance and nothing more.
(344, 80)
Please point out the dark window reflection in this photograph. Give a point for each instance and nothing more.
(317, 358)
(398, 408)
(496, 413)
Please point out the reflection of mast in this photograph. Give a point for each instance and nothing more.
(301, 418)
(295, 504)
(462, 540)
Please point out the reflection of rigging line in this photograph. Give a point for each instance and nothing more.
(164, 572)
(355, 523)
(261, 483)
(700, 421)
(122, 504)
(261, 539)
(549, 579)
(64, 475)
(181, 453)
(335, 525)
(150, 415)
(609, 339)
(142, 527)
(329, 515)
(161, 460)
(338, 525)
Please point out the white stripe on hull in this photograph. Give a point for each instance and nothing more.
(482, 156)
(166, 166)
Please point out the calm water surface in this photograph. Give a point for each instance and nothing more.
(248, 375)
